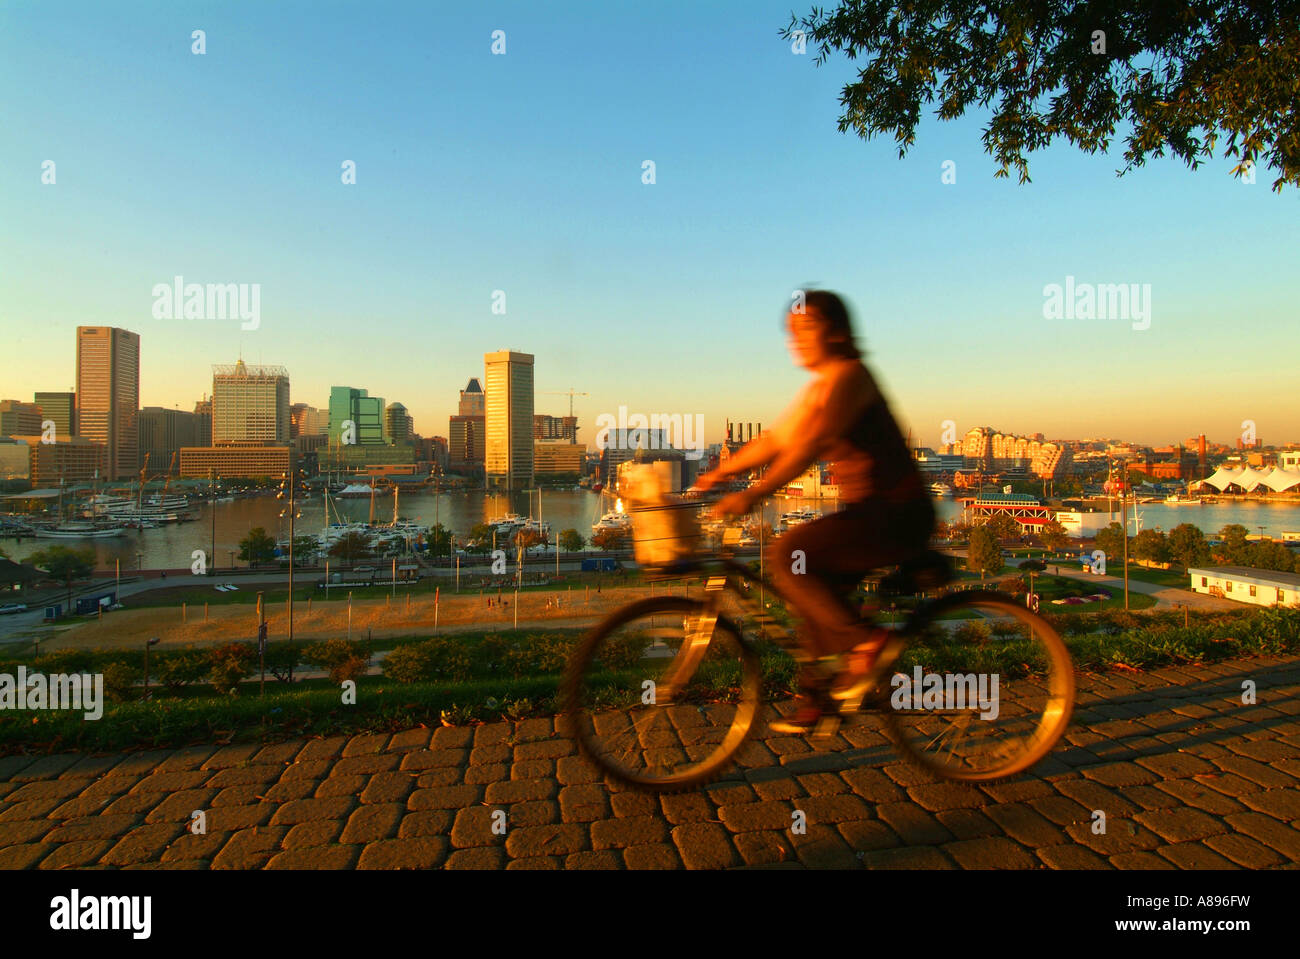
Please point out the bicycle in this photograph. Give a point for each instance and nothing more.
(687, 655)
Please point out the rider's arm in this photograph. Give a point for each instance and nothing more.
(817, 428)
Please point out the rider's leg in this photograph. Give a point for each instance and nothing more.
(812, 561)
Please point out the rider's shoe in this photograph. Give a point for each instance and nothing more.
(867, 663)
(804, 720)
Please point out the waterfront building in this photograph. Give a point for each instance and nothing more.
(108, 395)
(1257, 587)
(246, 460)
(69, 459)
(250, 404)
(20, 419)
(363, 411)
(163, 433)
(508, 406)
(61, 408)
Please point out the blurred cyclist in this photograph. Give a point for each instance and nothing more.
(885, 517)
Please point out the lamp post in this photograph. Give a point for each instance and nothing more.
(291, 481)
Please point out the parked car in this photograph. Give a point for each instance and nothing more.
(13, 608)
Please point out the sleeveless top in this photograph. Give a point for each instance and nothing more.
(879, 466)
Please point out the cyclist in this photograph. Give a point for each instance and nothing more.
(886, 515)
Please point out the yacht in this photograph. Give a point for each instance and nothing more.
(612, 521)
(796, 517)
(1182, 499)
(940, 490)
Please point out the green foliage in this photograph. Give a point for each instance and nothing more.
(1015, 585)
(1152, 546)
(65, 661)
(229, 664)
(341, 659)
(571, 541)
(183, 668)
(438, 539)
(1187, 546)
(1175, 79)
(1111, 542)
(983, 555)
(256, 547)
(434, 659)
(65, 563)
(1054, 536)
(280, 657)
(351, 547)
(120, 680)
(611, 539)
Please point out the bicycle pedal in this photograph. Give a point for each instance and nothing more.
(826, 727)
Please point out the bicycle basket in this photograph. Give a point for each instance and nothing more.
(665, 528)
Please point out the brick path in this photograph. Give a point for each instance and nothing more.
(1188, 778)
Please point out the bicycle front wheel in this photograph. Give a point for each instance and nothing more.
(983, 693)
(648, 713)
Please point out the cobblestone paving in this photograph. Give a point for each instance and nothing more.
(1187, 775)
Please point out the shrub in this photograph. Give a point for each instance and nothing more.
(65, 661)
(409, 664)
(119, 680)
(491, 655)
(280, 657)
(229, 664)
(183, 668)
(973, 631)
(343, 660)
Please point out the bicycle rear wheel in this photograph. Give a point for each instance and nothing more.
(984, 693)
(616, 709)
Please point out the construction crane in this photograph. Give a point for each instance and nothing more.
(569, 393)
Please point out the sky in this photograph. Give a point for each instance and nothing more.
(523, 173)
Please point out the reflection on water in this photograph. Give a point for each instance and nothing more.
(172, 546)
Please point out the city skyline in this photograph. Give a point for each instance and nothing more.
(661, 296)
(714, 433)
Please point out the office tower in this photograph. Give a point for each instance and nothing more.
(365, 413)
(250, 404)
(20, 419)
(509, 419)
(108, 394)
(555, 428)
(62, 409)
(203, 410)
(398, 423)
(305, 420)
(471, 399)
(163, 433)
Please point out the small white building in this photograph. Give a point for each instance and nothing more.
(1259, 587)
(1083, 525)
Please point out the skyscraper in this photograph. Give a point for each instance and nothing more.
(465, 432)
(108, 394)
(509, 418)
(365, 413)
(62, 409)
(250, 403)
(398, 423)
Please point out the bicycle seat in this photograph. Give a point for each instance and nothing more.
(928, 570)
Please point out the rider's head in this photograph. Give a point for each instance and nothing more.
(820, 330)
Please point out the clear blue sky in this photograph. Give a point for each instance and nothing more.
(522, 173)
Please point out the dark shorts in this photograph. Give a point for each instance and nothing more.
(840, 549)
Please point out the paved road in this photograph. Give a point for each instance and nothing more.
(1187, 776)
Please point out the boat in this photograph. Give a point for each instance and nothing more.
(79, 531)
(613, 520)
(796, 517)
(941, 490)
(1177, 499)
